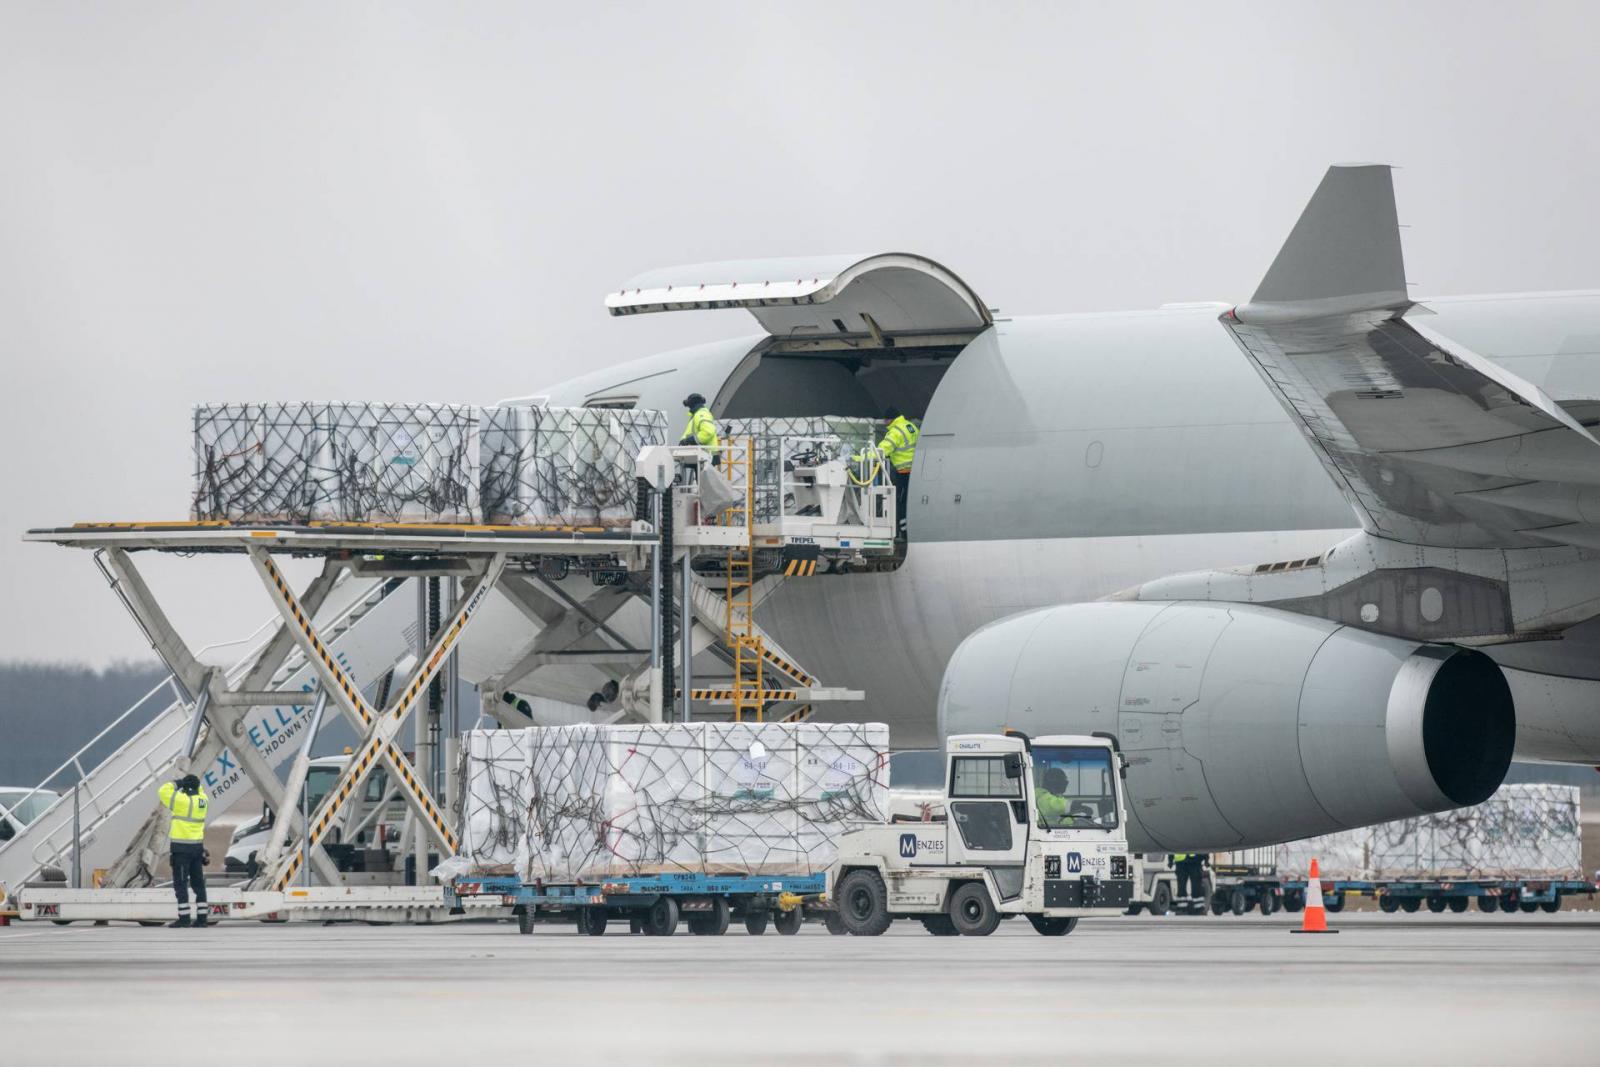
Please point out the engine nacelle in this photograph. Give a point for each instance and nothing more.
(1244, 725)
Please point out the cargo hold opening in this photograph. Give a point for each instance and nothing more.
(847, 335)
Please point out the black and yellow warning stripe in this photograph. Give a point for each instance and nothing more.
(441, 650)
(800, 568)
(792, 670)
(742, 694)
(800, 714)
(352, 695)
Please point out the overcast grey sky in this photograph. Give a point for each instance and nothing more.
(205, 201)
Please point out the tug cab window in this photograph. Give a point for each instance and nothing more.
(1074, 787)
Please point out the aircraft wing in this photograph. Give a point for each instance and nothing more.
(1431, 443)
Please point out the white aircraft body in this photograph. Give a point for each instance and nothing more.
(1318, 560)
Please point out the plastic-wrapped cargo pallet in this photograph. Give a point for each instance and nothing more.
(1521, 831)
(306, 462)
(546, 466)
(776, 441)
(606, 801)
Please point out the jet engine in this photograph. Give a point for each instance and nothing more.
(1243, 725)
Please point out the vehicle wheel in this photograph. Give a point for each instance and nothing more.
(939, 925)
(1458, 904)
(713, 923)
(1134, 909)
(1528, 907)
(755, 922)
(1334, 902)
(1270, 903)
(788, 923)
(1388, 905)
(1161, 899)
(1238, 903)
(1488, 903)
(1409, 905)
(1294, 900)
(1550, 906)
(834, 924)
(1052, 927)
(863, 903)
(1509, 900)
(973, 913)
(1436, 903)
(661, 918)
(591, 921)
(151, 922)
(524, 922)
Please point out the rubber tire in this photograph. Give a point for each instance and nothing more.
(524, 922)
(592, 921)
(1458, 905)
(713, 923)
(863, 903)
(1488, 904)
(1550, 907)
(1133, 909)
(833, 924)
(1269, 903)
(1509, 900)
(661, 918)
(151, 922)
(939, 925)
(1052, 927)
(1409, 905)
(1294, 901)
(1334, 902)
(971, 910)
(1388, 905)
(788, 923)
(755, 922)
(1437, 904)
(1160, 899)
(1238, 903)
(1528, 907)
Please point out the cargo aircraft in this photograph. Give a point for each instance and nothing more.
(1323, 558)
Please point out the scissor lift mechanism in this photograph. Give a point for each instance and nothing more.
(483, 554)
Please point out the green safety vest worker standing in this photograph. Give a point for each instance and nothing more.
(899, 448)
(186, 832)
(1190, 867)
(702, 428)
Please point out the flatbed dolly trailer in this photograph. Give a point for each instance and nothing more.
(1438, 895)
(1033, 827)
(651, 904)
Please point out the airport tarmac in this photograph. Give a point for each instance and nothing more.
(1468, 989)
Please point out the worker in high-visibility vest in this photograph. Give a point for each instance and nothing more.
(1049, 796)
(702, 428)
(1190, 867)
(899, 448)
(186, 832)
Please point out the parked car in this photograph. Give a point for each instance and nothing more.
(19, 807)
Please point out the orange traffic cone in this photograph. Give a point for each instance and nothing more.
(1315, 919)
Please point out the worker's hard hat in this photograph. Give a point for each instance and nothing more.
(1055, 780)
(891, 413)
(694, 400)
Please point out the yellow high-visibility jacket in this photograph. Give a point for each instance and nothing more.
(899, 444)
(188, 822)
(702, 429)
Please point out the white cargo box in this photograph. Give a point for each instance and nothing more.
(545, 466)
(604, 801)
(1522, 831)
(308, 462)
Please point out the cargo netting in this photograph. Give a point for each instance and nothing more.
(585, 802)
(564, 466)
(776, 442)
(310, 462)
(1521, 831)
